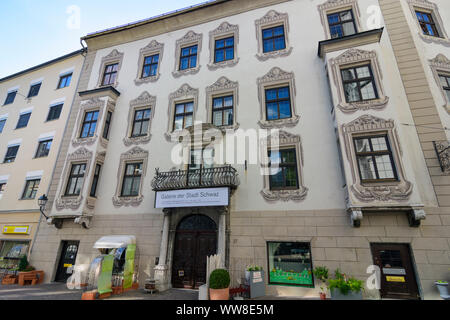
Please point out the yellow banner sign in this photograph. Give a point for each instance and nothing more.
(16, 229)
(395, 279)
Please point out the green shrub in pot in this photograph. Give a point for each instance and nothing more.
(219, 279)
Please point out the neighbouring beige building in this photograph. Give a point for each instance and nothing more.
(342, 106)
(35, 106)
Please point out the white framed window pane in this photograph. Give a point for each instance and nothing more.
(362, 145)
(367, 168)
(349, 28)
(218, 118)
(188, 121)
(448, 95)
(384, 165)
(228, 117)
(351, 92)
(363, 72)
(368, 90)
(379, 144)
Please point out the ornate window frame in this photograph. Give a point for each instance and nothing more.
(114, 57)
(189, 39)
(81, 155)
(276, 77)
(225, 30)
(351, 58)
(431, 8)
(153, 48)
(271, 19)
(282, 140)
(223, 86)
(441, 65)
(367, 125)
(184, 94)
(93, 104)
(333, 6)
(133, 155)
(144, 101)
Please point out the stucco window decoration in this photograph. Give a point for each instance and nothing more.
(153, 48)
(134, 155)
(432, 9)
(440, 66)
(272, 19)
(94, 104)
(225, 30)
(282, 140)
(190, 39)
(223, 87)
(333, 6)
(144, 101)
(367, 125)
(114, 57)
(81, 155)
(184, 94)
(273, 79)
(353, 58)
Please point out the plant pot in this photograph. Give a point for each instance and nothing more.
(323, 296)
(443, 290)
(135, 286)
(336, 294)
(89, 295)
(219, 294)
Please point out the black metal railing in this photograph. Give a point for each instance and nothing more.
(443, 154)
(225, 176)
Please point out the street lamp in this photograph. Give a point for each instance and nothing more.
(42, 201)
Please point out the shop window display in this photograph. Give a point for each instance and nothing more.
(11, 252)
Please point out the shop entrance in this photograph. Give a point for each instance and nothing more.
(196, 238)
(398, 280)
(67, 260)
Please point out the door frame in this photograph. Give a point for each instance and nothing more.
(63, 245)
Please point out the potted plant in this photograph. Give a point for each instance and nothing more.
(219, 285)
(321, 273)
(443, 289)
(250, 270)
(345, 288)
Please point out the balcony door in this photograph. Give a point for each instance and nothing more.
(200, 166)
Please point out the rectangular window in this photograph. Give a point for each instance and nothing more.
(110, 74)
(76, 179)
(359, 84)
(283, 169)
(10, 97)
(223, 111)
(43, 148)
(184, 113)
(93, 192)
(201, 158)
(55, 112)
(132, 180)
(141, 122)
(64, 81)
(2, 124)
(150, 67)
(107, 125)
(13, 251)
(34, 90)
(224, 50)
(2, 187)
(278, 103)
(341, 24)
(89, 124)
(188, 58)
(31, 188)
(11, 154)
(375, 160)
(274, 39)
(23, 120)
(445, 81)
(290, 263)
(427, 24)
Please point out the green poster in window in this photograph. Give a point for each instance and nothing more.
(129, 266)
(104, 280)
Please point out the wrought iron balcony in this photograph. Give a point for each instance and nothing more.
(225, 176)
(443, 153)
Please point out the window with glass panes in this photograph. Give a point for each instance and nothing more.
(93, 192)
(222, 114)
(141, 122)
(2, 124)
(43, 148)
(132, 180)
(54, 112)
(34, 90)
(76, 179)
(184, 114)
(427, 23)
(274, 39)
(23, 120)
(107, 125)
(64, 81)
(31, 188)
(89, 124)
(11, 154)
(283, 169)
(10, 97)
(375, 160)
(110, 74)
(2, 187)
(188, 58)
(278, 103)
(359, 84)
(201, 158)
(150, 66)
(224, 49)
(341, 24)
(445, 81)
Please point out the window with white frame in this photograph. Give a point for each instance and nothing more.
(187, 54)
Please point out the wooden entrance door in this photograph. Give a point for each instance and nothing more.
(196, 238)
(67, 260)
(398, 280)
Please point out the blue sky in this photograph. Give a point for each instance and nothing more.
(35, 31)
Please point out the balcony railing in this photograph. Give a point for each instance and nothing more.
(443, 153)
(225, 176)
